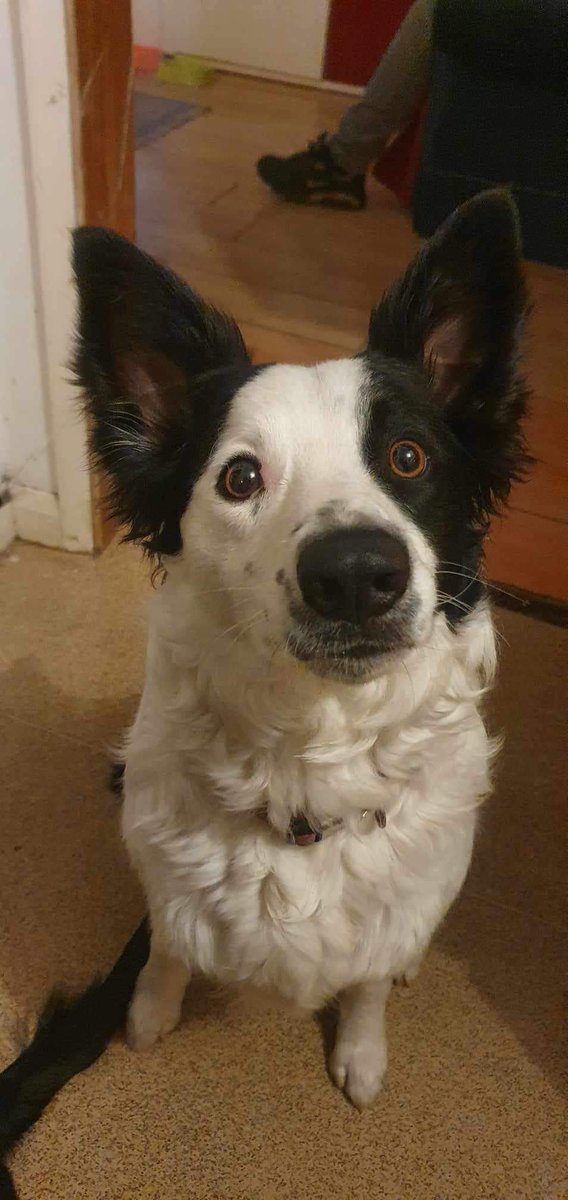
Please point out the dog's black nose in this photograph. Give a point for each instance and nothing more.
(353, 574)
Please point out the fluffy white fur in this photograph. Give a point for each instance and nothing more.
(233, 737)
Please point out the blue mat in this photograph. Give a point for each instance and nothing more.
(154, 116)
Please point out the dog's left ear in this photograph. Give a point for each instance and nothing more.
(157, 367)
(459, 311)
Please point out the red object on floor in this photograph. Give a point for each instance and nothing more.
(146, 59)
(358, 33)
(398, 166)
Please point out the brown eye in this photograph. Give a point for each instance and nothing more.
(407, 459)
(241, 479)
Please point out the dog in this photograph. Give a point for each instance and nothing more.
(303, 778)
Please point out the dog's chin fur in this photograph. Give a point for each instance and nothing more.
(352, 670)
(332, 651)
(254, 711)
(354, 666)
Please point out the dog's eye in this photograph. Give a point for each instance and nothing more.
(241, 479)
(408, 459)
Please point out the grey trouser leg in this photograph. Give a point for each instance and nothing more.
(391, 95)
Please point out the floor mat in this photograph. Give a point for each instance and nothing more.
(154, 116)
(236, 1103)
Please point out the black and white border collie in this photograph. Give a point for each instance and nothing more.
(304, 773)
(305, 770)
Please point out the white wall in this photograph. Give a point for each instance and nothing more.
(284, 36)
(48, 86)
(42, 436)
(147, 23)
(24, 432)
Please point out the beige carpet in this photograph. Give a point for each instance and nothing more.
(237, 1105)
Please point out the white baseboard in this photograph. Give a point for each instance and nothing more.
(7, 526)
(322, 85)
(36, 517)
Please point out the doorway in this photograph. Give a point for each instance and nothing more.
(298, 280)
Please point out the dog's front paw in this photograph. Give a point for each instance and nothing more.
(410, 973)
(358, 1068)
(150, 1017)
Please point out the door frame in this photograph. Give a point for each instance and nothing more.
(68, 83)
(101, 64)
(43, 135)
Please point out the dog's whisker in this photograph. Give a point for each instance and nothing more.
(247, 629)
(467, 585)
(463, 607)
(446, 598)
(410, 680)
(237, 625)
(493, 587)
(227, 591)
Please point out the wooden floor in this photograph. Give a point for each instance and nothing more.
(301, 281)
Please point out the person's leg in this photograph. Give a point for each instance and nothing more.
(391, 95)
(331, 171)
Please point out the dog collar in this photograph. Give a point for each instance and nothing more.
(301, 833)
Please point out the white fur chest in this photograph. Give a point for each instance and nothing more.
(211, 788)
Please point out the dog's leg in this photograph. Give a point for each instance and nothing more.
(410, 973)
(156, 1005)
(359, 1059)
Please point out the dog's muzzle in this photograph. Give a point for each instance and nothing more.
(355, 602)
(353, 575)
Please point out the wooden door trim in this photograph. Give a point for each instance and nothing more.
(101, 54)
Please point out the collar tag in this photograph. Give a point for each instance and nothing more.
(300, 832)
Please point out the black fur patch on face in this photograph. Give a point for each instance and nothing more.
(443, 362)
(169, 482)
(159, 369)
(440, 500)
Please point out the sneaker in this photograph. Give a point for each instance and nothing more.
(312, 177)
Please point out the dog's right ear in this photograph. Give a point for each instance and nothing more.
(458, 312)
(157, 366)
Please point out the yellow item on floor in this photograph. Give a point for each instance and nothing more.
(184, 68)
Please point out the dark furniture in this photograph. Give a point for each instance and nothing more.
(498, 115)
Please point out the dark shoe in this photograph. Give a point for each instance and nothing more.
(312, 177)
